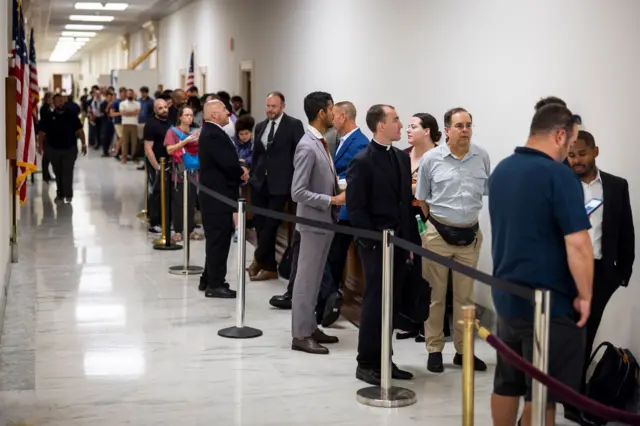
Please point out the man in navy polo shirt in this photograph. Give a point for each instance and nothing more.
(540, 239)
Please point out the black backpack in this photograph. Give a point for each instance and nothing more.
(614, 380)
(284, 268)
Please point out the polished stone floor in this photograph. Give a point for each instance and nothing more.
(98, 333)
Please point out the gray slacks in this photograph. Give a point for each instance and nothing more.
(314, 249)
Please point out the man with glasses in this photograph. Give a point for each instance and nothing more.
(451, 183)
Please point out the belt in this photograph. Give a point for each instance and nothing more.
(440, 222)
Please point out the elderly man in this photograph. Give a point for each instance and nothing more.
(220, 171)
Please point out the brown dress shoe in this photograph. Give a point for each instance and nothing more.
(253, 269)
(320, 337)
(309, 346)
(264, 276)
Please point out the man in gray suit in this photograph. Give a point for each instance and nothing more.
(315, 189)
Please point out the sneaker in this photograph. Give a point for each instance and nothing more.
(235, 236)
(68, 200)
(58, 200)
(155, 230)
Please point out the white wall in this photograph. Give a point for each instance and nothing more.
(137, 46)
(46, 70)
(101, 60)
(493, 58)
(5, 194)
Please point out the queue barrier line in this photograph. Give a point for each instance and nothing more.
(565, 393)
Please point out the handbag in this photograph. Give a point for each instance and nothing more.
(191, 162)
(460, 237)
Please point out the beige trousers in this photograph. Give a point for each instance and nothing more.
(129, 141)
(437, 276)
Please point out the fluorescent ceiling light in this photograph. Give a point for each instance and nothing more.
(77, 34)
(83, 39)
(100, 6)
(84, 27)
(91, 18)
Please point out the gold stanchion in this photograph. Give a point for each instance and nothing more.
(164, 241)
(143, 214)
(468, 341)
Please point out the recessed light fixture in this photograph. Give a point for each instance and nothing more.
(91, 18)
(84, 27)
(82, 39)
(78, 34)
(65, 49)
(100, 6)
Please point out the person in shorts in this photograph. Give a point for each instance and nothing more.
(540, 240)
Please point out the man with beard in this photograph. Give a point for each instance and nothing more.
(62, 129)
(178, 99)
(612, 235)
(315, 189)
(129, 109)
(154, 132)
(452, 181)
(275, 142)
(379, 198)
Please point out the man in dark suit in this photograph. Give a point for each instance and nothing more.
(379, 197)
(276, 139)
(612, 232)
(220, 171)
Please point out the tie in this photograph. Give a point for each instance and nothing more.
(326, 148)
(272, 131)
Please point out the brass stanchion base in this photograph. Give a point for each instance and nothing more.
(142, 214)
(240, 332)
(396, 397)
(189, 270)
(161, 244)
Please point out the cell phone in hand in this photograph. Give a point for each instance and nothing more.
(592, 205)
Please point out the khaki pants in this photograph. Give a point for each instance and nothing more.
(129, 139)
(437, 275)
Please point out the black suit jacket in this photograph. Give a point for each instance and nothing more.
(277, 161)
(618, 235)
(220, 168)
(377, 202)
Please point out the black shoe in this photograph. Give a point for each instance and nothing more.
(281, 302)
(332, 309)
(141, 167)
(308, 345)
(434, 364)
(420, 337)
(59, 200)
(398, 374)
(322, 338)
(403, 335)
(220, 293)
(478, 364)
(203, 284)
(368, 375)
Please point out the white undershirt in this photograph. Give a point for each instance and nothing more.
(594, 190)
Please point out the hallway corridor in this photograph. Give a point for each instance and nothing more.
(98, 333)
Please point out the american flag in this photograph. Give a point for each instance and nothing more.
(191, 78)
(33, 76)
(26, 155)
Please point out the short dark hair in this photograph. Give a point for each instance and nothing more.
(144, 89)
(245, 122)
(95, 87)
(278, 94)
(167, 92)
(549, 100)
(552, 117)
(165, 97)
(428, 121)
(57, 95)
(375, 115)
(193, 89)
(236, 98)
(122, 89)
(194, 103)
(449, 114)
(224, 96)
(315, 102)
(588, 138)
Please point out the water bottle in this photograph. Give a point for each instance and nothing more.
(422, 228)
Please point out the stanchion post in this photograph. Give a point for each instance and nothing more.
(468, 371)
(185, 268)
(164, 241)
(143, 214)
(386, 395)
(240, 331)
(13, 237)
(542, 314)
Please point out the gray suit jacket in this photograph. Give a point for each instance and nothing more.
(314, 182)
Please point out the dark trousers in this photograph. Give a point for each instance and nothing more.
(602, 292)
(338, 255)
(370, 332)
(107, 130)
(63, 162)
(218, 231)
(177, 208)
(154, 201)
(266, 227)
(46, 174)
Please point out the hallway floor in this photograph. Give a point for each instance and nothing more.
(98, 333)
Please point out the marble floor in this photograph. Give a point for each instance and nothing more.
(98, 333)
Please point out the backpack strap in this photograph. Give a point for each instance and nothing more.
(602, 345)
(178, 132)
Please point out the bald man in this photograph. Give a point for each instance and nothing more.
(154, 132)
(220, 171)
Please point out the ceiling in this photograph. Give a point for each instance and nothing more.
(49, 17)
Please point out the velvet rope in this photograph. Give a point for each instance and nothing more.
(564, 392)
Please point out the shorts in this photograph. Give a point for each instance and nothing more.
(565, 362)
(118, 130)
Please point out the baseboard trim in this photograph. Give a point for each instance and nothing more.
(4, 292)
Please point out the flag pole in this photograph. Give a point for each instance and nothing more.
(13, 237)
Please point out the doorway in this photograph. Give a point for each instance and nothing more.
(246, 77)
(63, 83)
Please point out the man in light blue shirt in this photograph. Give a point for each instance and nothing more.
(452, 181)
